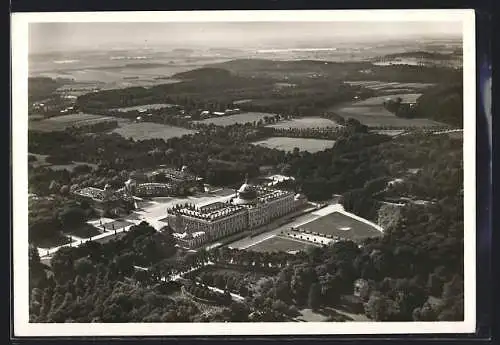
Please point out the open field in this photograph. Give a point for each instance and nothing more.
(341, 225)
(305, 122)
(383, 86)
(389, 132)
(237, 118)
(150, 130)
(61, 123)
(279, 244)
(372, 113)
(379, 100)
(304, 144)
(381, 117)
(144, 107)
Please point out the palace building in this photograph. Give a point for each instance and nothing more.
(107, 201)
(250, 208)
(162, 182)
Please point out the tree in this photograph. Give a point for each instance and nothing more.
(83, 266)
(314, 297)
(381, 308)
(72, 217)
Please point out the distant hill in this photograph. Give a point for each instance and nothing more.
(203, 73)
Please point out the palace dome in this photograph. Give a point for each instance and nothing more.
(247, 194)
(300, 196)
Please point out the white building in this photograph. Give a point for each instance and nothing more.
(250, 208)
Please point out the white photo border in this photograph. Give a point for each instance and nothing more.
(19, 43)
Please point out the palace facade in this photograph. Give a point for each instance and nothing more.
(251, 207)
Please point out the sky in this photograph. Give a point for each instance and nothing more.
(82, 36)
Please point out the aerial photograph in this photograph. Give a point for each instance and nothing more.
(186, 172)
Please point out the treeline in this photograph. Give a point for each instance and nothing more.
(441, 103)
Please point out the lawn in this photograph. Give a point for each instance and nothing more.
(279, 244)
(117, 224)
(237, 118)
(60, 123)
(304, 144)
(50, 242)
(343, 226)
(305, 122)
(85, 231)
(150, 130)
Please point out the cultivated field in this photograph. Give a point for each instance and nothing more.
(61, 123)
(341, 225)
(304, 144)
(150, 130)
(372, 113)
(383, 86)
(279, 244)
(374, 117)
(405, 98)
(144, 107)
(305, 122)
(238, 118)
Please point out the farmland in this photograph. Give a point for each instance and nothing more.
(61, 123)
(405, 98)
(303, 144)
(144, 107)
(385, 87)
(306, 122)
(372, 113)
(150, 130)
(238, 118)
